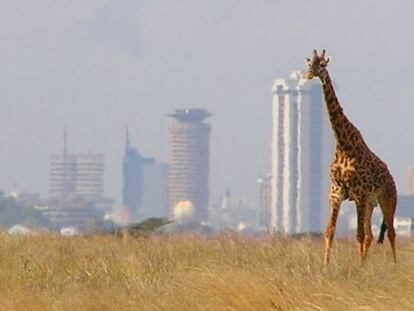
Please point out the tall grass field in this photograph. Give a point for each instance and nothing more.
(200, 273)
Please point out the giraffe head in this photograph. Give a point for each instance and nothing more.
(316, 64)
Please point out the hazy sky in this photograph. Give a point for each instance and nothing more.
(97, 65)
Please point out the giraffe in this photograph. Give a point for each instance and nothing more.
(357, 174)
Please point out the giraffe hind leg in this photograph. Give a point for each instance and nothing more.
(382, 232)
(388, 206)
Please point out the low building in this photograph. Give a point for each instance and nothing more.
(74, 212)
(232, 213)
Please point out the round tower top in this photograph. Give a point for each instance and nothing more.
(191, 115)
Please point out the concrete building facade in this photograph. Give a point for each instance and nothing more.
(90, 175)
(62, 175)
(155, 194)
(302, 149)
(76, 190)
(76, 175)
(264, 204)
(189, 160)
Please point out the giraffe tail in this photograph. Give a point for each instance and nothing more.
(382, 232)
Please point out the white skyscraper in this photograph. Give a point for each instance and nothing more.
(302, 150)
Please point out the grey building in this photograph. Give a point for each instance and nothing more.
(90, 175)
(63, 172)
(76, 190)
(264, 187)
(145, 187)
(74, 212)
(189, 160)
(76, 175)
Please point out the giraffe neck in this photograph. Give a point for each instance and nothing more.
(345, 132)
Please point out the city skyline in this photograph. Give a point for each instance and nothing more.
(62, 64)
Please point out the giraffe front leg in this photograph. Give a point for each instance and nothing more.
(335, 200)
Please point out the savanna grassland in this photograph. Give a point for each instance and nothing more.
(199, 273)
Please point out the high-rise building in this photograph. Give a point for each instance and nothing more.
(302, 149)
(155, 194)
(90, 175)
(189, 160)
(132, 177)
(264, 185)
(63, 172)
(77, 190)
(145, 186)
(410, 182)
(76, 175)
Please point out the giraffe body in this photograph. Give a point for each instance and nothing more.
(357, 174)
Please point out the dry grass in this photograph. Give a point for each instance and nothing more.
(197, 273)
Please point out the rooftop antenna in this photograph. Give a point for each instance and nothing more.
(65, 141)
(127, 139)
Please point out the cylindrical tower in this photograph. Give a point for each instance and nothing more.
(189, 160)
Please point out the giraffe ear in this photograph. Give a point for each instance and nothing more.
(327, 60)
(307, 59)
